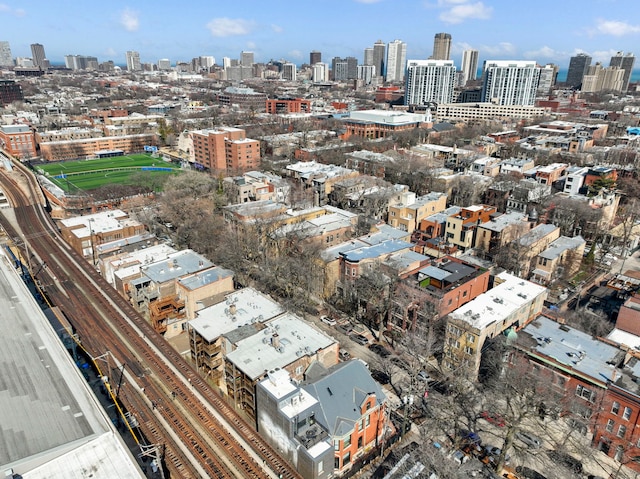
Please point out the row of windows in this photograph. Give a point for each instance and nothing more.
(615, 409)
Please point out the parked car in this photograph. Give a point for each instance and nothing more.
(344, 355)
(359, 338)
(529, 439)
(424, 376)
(459, 457)
(328, 320)
(380, 350)
(528, 473)
(401, 363)
(346, 328)
(493, 418)
(491, 454)
(566, 460)
(381, 377)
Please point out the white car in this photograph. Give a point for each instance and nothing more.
(327, 320)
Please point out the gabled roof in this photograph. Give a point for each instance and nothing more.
(341, 391)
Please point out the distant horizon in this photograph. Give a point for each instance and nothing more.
(544, 31)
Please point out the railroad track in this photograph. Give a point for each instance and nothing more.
(160, 391)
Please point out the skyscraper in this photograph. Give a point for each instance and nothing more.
(396, 58)
(469, 65)
(625, 62)
(133, 61)
(509, 82)
(289, 72)
(246, 59)
(429, 81)
(441, 46)
(37, 55)
(548, 75)
(578, 66)
(320, 72)
(368, 56)
(379, 57)
(315, 57)
(6, 59)
(344, 68)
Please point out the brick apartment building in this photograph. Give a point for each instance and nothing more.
(18, 140)
(225, 150)
(285, 106)
(10, 91)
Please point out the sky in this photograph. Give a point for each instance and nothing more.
(548, 31)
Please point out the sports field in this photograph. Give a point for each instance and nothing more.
(91, 174)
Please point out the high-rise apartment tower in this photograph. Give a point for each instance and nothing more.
(441, 46)
(469, 65)
(578, 66)
(625, 62)
(396, 59)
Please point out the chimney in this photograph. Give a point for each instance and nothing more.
(275, 340)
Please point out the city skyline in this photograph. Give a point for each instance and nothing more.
(283, 30)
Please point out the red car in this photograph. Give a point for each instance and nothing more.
(493, 418)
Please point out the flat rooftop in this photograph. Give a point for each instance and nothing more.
(240, 308)
(499, 302)
(256, 354)
(51, 424)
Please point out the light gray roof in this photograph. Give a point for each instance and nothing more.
(499, 223)
(179, 264)
(573, 348)
(537, 233)
(385, 232)
(375, 251)
(562, 244)
(256, 354)
(205, 277)
(50, 423)
(341, 390)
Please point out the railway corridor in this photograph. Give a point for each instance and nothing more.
(196, 423)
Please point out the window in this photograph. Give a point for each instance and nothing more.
(627, 413)
(585, 393)
(336, 447)
(622, 430)
(464, 294)
(610, 425)
(320, 467)
(336, 463)
(468, 350)
(346, 442)
(367, 419)
(360, 442)
(361, 424)
(615, 407)
(471, 338)
(346, 458)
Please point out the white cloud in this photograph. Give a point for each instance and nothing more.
(503, 48)
(615, 28)
(544, 52)
(18, 12)
(110, 52)
(458, 47)
(129, 20)
(603, 56)
(457, 11)
(251, 45)
(276, 28)
(297, 54)
(226, 27)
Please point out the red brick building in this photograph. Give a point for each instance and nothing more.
(18, 140)
(284, 106)
(225, 150)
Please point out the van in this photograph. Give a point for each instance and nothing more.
(344, 355)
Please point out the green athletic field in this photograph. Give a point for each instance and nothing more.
(91, 174)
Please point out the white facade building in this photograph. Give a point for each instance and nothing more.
(133, 61)
(429, 81)
(510, 82)
(396, 58)
(320, 72)
(469, 65)
(289, 72)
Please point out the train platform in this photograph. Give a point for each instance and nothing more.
(52, 425)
